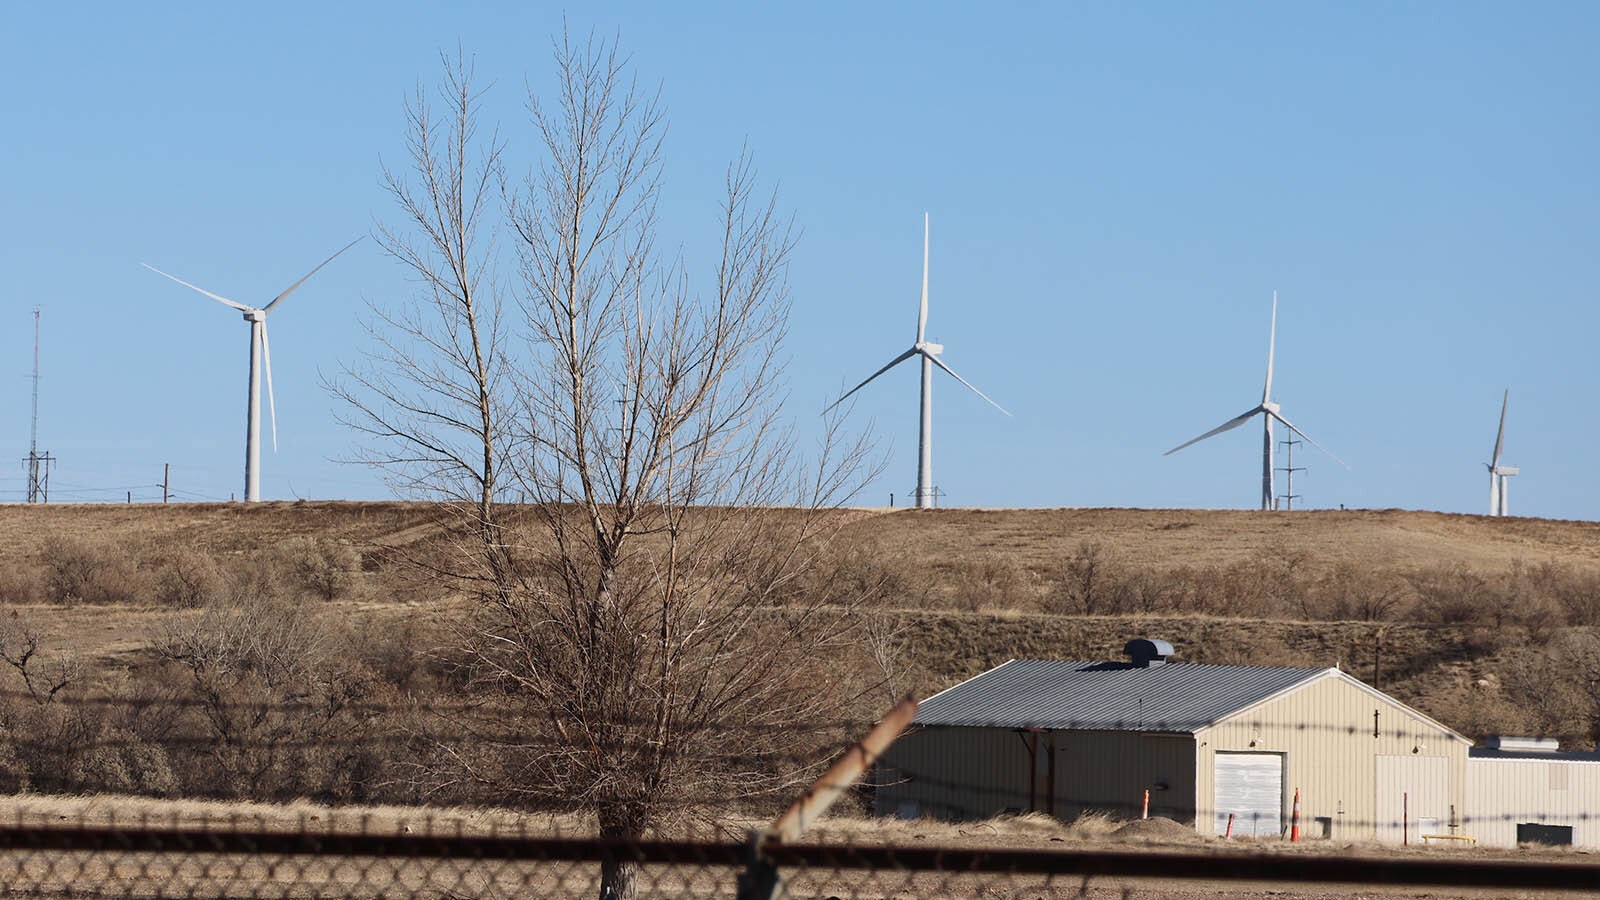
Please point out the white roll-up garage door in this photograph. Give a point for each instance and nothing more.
(1250, 787)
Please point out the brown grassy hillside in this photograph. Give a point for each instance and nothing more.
(1470, 617)
(951, 542)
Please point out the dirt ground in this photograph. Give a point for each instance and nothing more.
(1157, 837)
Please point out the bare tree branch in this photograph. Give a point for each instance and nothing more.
(629, 641)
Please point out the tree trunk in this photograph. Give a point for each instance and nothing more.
(619, 879)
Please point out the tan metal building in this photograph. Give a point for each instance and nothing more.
(1225, 748)
(1524, 790)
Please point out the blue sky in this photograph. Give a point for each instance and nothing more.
(1115, 192)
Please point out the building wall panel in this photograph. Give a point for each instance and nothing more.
(1331, 741)
(1413, 798)
(1504, 792)
(974, 773)
(1109, 771)
(956, 773)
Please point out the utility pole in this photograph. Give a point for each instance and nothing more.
(166, 481)
(38, 466)
(1288, 469)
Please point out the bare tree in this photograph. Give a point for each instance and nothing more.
(20, 646)
(1086, 582)
(431, 393)
(629, 641)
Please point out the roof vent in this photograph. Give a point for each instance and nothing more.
(1522, 744)
(1146, 652)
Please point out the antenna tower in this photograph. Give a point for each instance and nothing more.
(38, 466)
(1287, 498)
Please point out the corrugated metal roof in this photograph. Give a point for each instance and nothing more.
(1106, 696)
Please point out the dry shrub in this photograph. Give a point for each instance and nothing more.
(1453, 595)
(858, 573)
(1248, 589)
(1540, 598)
(188, 579)
(1353, 592)
(117, 760)
(1557, 688)
(399, 652)
(1090, 583)
(22, 585)
(991, 584)
(1146, 592)
(1480, 709)
(1576, 593)
(322, 566)
(87, 572)
(277, 698)
(55, 737)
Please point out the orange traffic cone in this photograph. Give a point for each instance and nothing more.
(1294, 818)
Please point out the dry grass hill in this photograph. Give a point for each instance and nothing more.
(1468, 617)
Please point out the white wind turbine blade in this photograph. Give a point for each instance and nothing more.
(1272, 343)
(922, 313)
(1500, 436)
(217, 297)
(266, 364)
(940, 363)
(1229, 425)
(1290, 426)
(279, 299)
(892, 363)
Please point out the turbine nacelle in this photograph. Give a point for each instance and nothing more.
(255, 315)
(929, 348)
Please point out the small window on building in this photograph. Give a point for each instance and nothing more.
(1558, 776)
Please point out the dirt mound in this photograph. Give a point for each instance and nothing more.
(1156, 830)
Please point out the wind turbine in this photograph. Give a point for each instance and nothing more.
(930, 358)
(1268, 411)
(260, 358)
(1498, 473)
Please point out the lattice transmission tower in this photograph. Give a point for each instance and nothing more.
(38, 465)
(1288, 497)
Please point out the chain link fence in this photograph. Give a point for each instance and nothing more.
(163, 856)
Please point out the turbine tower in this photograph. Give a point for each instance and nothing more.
(260, 359)
(1268, 411)
(1498, 473)
(930, 358)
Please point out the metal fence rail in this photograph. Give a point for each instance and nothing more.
(148, 860)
